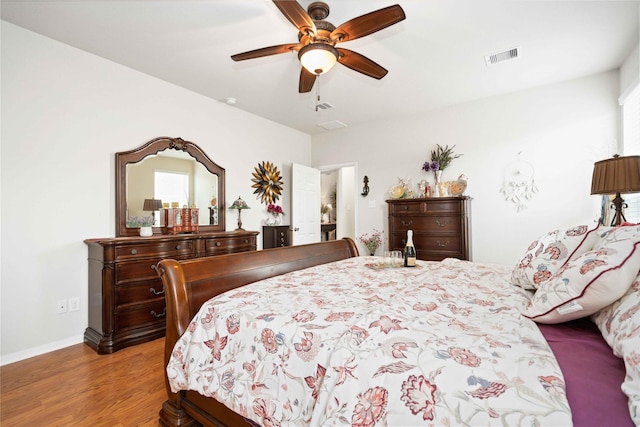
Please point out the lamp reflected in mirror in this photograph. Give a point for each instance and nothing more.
(618, 175)
(152, 205)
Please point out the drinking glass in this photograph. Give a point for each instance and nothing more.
(387, 260)
(397, 258)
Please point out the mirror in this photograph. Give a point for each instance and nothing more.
(137, 172)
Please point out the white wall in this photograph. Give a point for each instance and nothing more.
(65, 114)
(560, 129)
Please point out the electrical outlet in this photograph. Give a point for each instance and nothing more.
(74, 304)
(61, 306)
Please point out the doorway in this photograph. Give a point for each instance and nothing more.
(338, 201)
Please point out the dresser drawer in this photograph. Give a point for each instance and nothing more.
(139, 292)
(427, 224)
(450, 244)
(412, 208)
(433, 207)
(136, 271)
(226, 245)
(167, 249)
(435, 247)
(140, 315)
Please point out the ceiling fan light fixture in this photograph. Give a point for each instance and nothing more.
(318, 58)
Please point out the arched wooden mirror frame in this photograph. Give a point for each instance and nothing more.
(154, 147)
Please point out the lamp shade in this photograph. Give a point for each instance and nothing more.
(616, 175)
(318, 58)
(239, 204)
(152, 205)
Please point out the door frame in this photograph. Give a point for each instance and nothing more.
(338, 166)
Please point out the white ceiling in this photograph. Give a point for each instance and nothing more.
(435, 57)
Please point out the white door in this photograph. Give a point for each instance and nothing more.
(305, 204)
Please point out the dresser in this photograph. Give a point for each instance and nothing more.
(440, 226)
(126, 296)
(275, 236)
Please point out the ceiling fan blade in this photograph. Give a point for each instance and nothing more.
(307, 79)
(368, 23)
(361, 64)
(296, 15)
(266, 51)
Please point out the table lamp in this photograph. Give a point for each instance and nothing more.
(617, 175)
(239, 204)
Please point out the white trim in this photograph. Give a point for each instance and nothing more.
(42, 349)
(635, 85)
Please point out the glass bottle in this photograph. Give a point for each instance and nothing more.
(409, 251)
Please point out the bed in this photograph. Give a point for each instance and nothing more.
(316, 335)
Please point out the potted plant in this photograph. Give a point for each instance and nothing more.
(440, 160)
(275, 211)
(145, 223)
(372, 242)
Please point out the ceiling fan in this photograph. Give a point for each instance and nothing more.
(317, 39)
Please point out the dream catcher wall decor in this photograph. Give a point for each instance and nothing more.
(519, 185)
(267, 182)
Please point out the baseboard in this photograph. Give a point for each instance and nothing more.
(37, 351)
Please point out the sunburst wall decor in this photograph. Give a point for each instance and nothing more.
(267, 182)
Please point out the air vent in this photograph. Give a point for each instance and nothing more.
(334, 124)
(324, 106)
(506, 55)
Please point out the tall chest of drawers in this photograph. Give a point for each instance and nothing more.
(126, 296)
(440, 226)
(275, 236)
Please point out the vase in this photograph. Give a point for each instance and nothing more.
(437, 176)
(146, 231)
(272, 220)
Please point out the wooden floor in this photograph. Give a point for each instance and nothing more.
(75, 386)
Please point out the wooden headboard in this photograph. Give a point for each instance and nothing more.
(190, 283)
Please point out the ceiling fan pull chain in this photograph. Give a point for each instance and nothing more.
(317, 92)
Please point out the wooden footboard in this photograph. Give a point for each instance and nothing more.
(190, 283)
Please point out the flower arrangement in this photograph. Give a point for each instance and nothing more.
(372, 242)
(440, 159)
(140, 221)
(275, 210)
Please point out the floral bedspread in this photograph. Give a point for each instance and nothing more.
(343, 344)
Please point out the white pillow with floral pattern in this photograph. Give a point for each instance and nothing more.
(546, 255)
(591, 281)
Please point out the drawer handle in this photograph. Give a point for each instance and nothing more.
(443, 223)
(134, 251)
(406, 208)
(157, 315)
(178, 247)
(153, 291)
(218, 244)
(442, 245)
(407, 223)
(246, 240)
